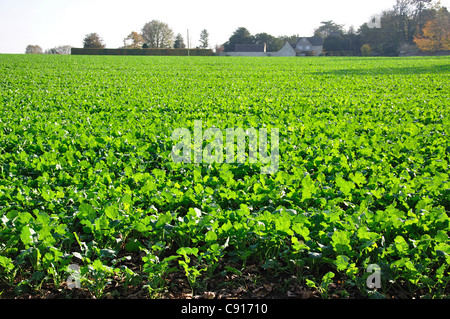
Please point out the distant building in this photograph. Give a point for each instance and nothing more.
(305, 46)
(312, 46)
(250, 48)
(247, 50)
(286, 50)
(309, 46)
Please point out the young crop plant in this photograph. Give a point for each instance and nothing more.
(117, 177)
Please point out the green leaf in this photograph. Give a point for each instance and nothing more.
(133, 246)
(358, 178)
(442, 249)
(401, 244)
(301, 230)
(211, 236)
(345, 186)
(310, 283)
(283, 224)
(84, 164)
(163, 219)
(328, 276)
(111, 212)
(6, 263)
(340, 240)
(342, 262)
(24, 218)
(128, 171)
(26, 235)
(87, 211)
(297, 245)
(308, 188)
(126, 199)
(185, 251)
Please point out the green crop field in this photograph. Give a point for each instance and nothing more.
(92, 203)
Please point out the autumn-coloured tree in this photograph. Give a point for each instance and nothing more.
(366, 50)
(436, 33)
(133, 41)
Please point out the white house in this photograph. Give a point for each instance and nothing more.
(305, 46)
(312, 46)
(309, 46)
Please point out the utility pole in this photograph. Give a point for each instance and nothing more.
(188, 43)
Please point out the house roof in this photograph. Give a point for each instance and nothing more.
(292, 45)
(315, 41)
(250, 48)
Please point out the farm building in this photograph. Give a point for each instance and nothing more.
(248, 50)
(309, 46)
(312, 46)
(305, 46)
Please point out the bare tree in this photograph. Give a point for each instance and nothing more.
(33, 49)
(422, 13)
(157, 34)
(62, 49)
(411, 16)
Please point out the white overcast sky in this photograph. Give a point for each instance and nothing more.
(50, 23)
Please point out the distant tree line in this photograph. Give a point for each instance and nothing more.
(435, 34)
(405, 25)
(409, 24)
(420, 24)
(36, 49)
(154, 34)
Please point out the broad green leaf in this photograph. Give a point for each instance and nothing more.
(358, 178)
(344, 186)
(301, 230)
(211, 236)
(26, 235)
(6, 263)
(111, 212)
(163, 219)
(342, 262)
